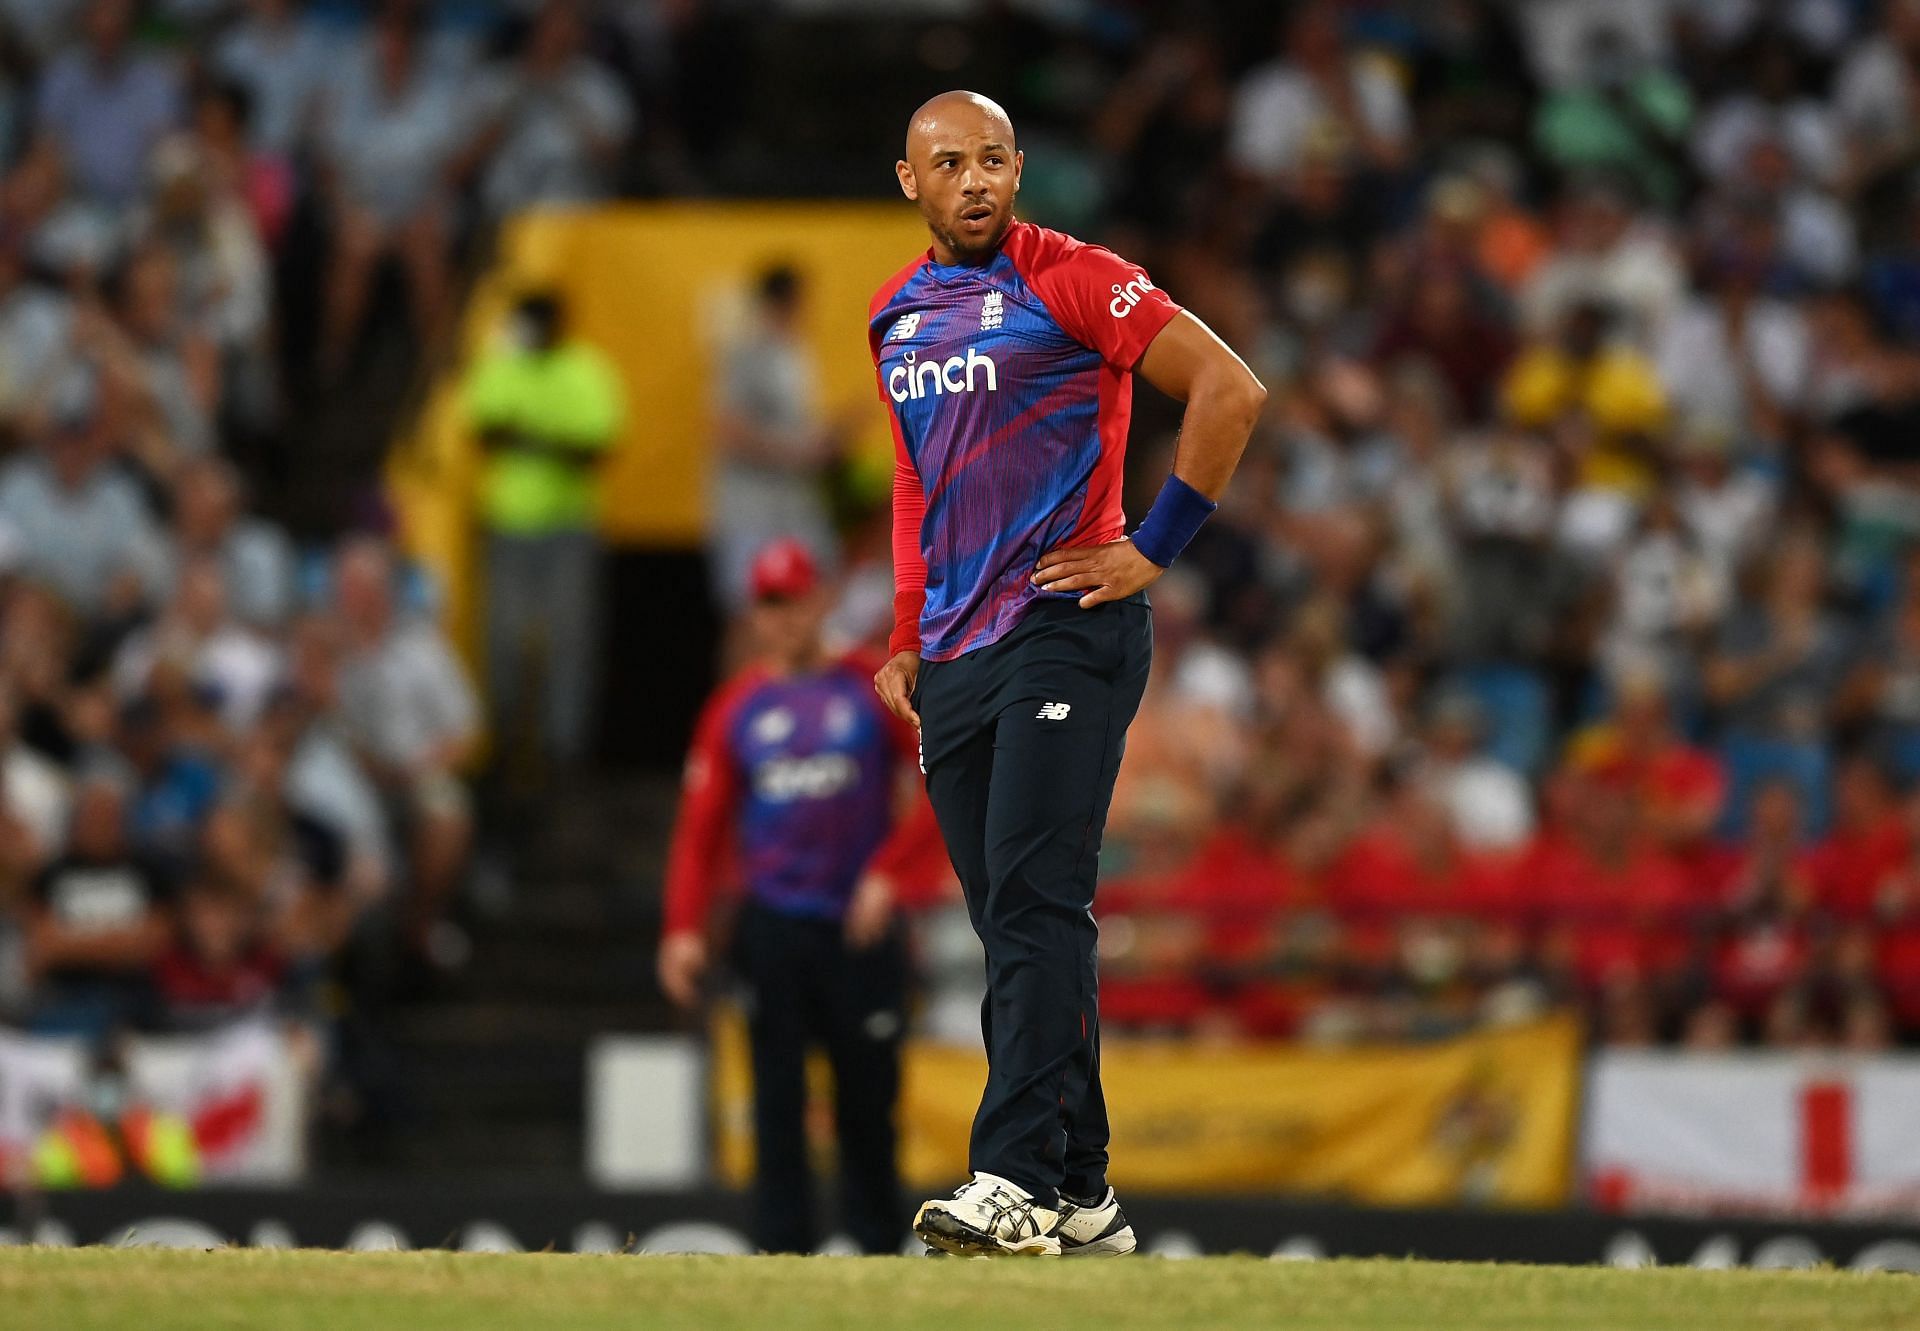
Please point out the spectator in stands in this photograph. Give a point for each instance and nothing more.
(772, 441)
(1606, 254)
(231, 664)
(387, 143)
(167, 362)
(169, 738)
(1727, 503)
(1317, 87)
(1733, 354)
(548, 408)
(35, 330)
(287, 866)
(1426, 916)
(1667, 596)
(1884, 686)
(81, 524)
(1761, 958)
(1586, 368)
(1442, 320)
(1471, 79)
(324, 778)
(1488, 802)
(65, 237)
(408, 709)
(35, 793)
(284, 62)
(1512, 587)
(1864, 848)
(219, 966)
(1614, 904)
(1623, 113)
(1773, 679)
(1679, 788)
(1165, 123)
(258, 180)
(100, 917)
(255, 556)
(222, 284)
(106, 105)
(1774, 100)
(553, 124)
(1873, 95)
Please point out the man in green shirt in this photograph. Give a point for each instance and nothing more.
(548, 409)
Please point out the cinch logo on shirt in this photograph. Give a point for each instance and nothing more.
(779, 780)
(1128, 296)
(933, 378)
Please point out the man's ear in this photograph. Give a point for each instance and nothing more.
(908, 185)
(1019, 162)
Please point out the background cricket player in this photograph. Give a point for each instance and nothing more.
(1022, 640)
(791, 783)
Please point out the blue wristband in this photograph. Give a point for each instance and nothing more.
(1175, 516)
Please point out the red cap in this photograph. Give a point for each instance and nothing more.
(783, 570)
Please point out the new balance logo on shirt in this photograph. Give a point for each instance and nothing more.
(908, 325)
(1053, 711)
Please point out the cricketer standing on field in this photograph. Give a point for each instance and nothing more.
(1006, 356)
(790, 790)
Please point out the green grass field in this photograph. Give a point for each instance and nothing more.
(44, 1289)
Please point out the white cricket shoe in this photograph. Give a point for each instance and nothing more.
(1098, 1230)
(989, 1217)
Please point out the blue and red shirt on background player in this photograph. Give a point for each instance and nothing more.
(1010, 389)
(790, 783)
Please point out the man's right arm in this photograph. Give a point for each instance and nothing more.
(709, 796)
(895, 680)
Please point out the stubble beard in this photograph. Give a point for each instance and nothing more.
(965, 250)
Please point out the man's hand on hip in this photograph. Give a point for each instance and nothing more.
(894, 683)
(1110, 572)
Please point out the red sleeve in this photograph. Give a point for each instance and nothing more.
(1099, 298)
(909, 564)
(909, 498)
(897, 857)
(709, 789)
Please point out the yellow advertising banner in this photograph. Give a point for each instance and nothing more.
(1486, 1118)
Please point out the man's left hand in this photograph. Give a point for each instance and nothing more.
(1110, 572)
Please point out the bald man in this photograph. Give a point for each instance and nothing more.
(1006, 354)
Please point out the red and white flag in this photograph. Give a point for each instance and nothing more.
(1786, 1133)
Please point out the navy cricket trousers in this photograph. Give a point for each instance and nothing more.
(805, 987)
(1021, 741)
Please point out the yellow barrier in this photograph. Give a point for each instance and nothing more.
(1484, 1118)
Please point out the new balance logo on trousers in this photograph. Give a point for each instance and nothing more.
(1053, 711)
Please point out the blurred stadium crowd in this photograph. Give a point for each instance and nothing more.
(1560, 637)
(1559, 640)
(230, 759)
